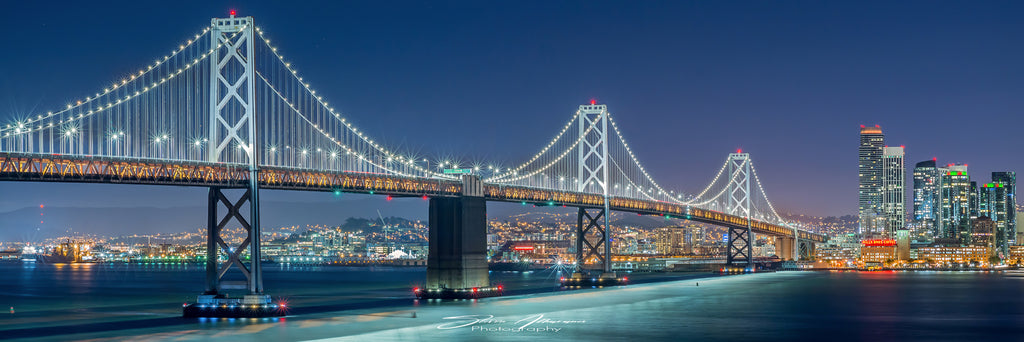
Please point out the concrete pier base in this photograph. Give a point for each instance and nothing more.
(457, 256)
(784, 247)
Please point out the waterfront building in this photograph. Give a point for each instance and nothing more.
(954, 254)
(878, 250)
(954, 203)
(1015, 255)
(1019, 228)
(869, 170)
(983, 234)
(893, 190)
(903, 245)
(839, 251)
(926, 200)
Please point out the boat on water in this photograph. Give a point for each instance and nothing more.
(65, 253)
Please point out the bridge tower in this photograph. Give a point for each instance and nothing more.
(592, 229)
(741, 239)
(232, 140)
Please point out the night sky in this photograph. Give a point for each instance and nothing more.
(689, 82)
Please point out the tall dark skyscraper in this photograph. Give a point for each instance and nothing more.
(997, 201)
(955, 203)
(926, 199)
(872, 143)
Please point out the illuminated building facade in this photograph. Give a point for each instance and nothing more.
(869, 170)
(983, 234)
(954, 255)
(670, 241)
(893, 190)
(997, 201)
(926, 200)
(878, 250)
(954, 203)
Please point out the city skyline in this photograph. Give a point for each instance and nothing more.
(774, 151)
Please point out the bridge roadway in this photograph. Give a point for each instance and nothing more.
(96, 169)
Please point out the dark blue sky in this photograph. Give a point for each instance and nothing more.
(688, 82)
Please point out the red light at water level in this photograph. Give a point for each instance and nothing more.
(40, 206)
(388, 198)
(425, 197)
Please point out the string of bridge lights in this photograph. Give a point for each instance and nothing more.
(19, 127)
(328, 136)
(765, 195)
(712, 184)
(543, 150)
(735, 175)
(553, 162)
(615, 127)
(337, 116)
(631, 181)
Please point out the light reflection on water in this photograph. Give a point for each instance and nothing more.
(906, 306)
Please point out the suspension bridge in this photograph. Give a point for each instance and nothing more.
(225, 110)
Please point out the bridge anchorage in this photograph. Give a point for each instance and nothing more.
(228, 113)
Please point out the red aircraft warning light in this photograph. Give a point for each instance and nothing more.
(593, 101)
(232, 13)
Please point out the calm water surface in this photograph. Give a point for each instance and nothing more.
(64, 302)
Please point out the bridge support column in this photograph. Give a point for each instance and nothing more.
(457, 256)
(214, 302)
(784, 247)
(740, 249)
(458, 243)
(593, 243)
(592, 240)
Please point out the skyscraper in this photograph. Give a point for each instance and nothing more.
(869, 172)
(893, 191)
(926, 199)
(955, 203)
(997, 201)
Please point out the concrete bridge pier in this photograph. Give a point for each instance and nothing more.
(457, 257)
(784, 247)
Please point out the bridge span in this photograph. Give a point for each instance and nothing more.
(225, 110)
(90, 169)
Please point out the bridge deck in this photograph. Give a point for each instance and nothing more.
(93, 169)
